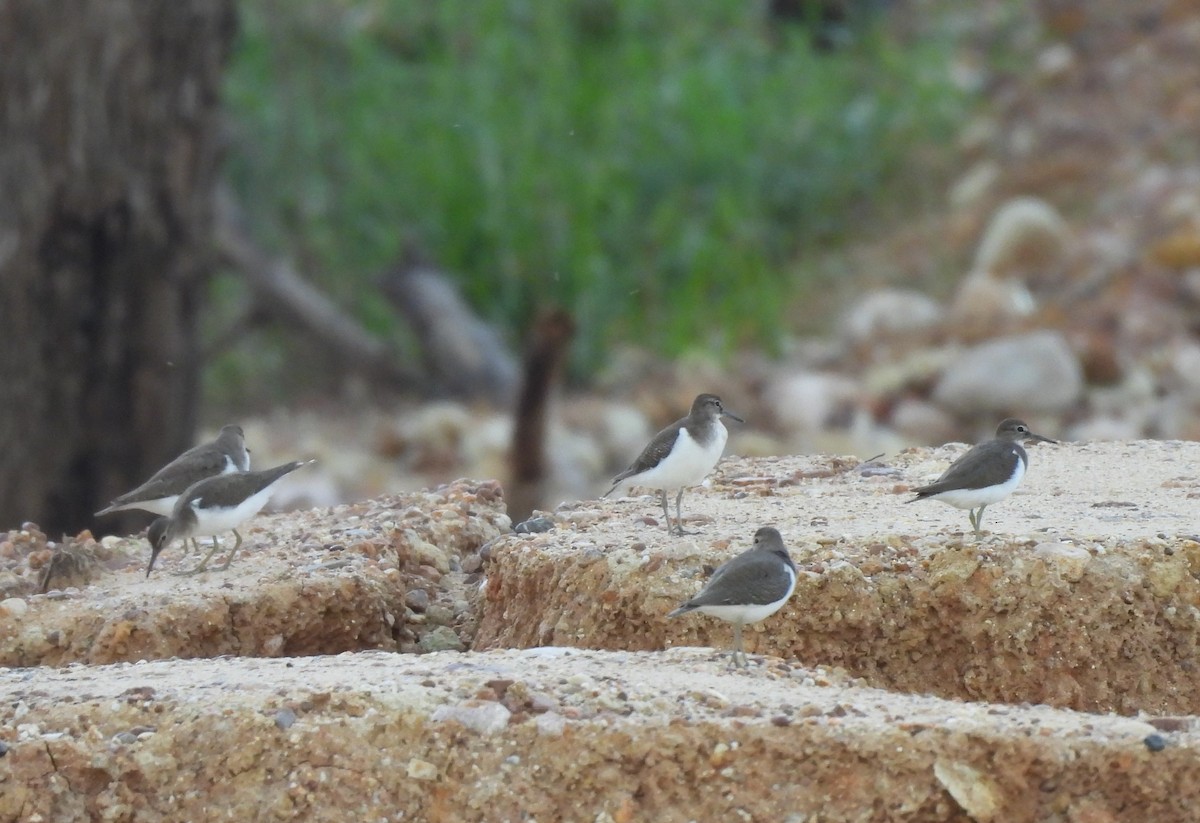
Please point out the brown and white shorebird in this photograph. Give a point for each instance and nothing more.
(986, 474)
(215, 505)
(680, 455)
(227, 453)
(750, 587)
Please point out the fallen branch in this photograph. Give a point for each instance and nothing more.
(279, 289)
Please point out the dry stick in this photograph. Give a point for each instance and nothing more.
(280, 289)
(463, 354)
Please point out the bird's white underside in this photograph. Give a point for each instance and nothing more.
(750, 614)
(218, 520)
(974, 498)
(687, 464)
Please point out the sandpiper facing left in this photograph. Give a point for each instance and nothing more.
(681, 455)
(214, 505)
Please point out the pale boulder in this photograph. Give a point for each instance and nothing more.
(1030, 373)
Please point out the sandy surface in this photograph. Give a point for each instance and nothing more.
(1084, 594)
(1082, 491)
(558, 734)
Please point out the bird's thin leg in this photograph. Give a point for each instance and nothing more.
(737, 647)
(977, 520)
(204, 562)
(232, 551)
(662, 495)
(679, 513)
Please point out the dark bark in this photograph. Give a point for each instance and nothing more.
(108, 161)
(545, 355)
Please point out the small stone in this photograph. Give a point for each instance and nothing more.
(1165, 577)
(15, 606)
(440, 639)
(534, 525)
(1155, 742)
(3, 748)
(125, 738)
(485, 718)
(976, 793)
(427, 554)
(422, 770)
(417, 599)
(1170, 724)
(541, 702)
(440, 615)
(551, 724)
(1067, 560)
(284, 718)
(472, 563)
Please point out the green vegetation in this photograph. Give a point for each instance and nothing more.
(661, 167)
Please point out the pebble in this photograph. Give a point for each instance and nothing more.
(551, 724)
(535, 525)
(417, 599)
(421, 770)
(284, 718)
(485, 718)
(440, 639)
(1155, 742)
(15, 606)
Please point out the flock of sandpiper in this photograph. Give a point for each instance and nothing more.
(209, 490)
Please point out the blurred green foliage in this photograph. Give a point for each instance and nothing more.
(664, 168)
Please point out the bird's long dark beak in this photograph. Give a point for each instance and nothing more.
(1037, 438)
(731, 415)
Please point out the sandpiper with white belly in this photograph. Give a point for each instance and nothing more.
(986, 474)
(215, 505)
(750, 587)
(680, 455)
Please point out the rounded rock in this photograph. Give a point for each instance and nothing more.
(1037, 372)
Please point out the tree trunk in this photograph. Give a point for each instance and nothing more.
(108, 162)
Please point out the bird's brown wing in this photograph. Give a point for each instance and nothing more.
(988, 464)
(176, 476)
(753, 578)
(655, 451)
(228, 490)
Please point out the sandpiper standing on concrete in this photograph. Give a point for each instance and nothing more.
(986, 474)
(750, 587)
(227, 453)
(214, 505)
(681, 455)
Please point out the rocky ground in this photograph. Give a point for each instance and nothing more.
(1043, 671)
